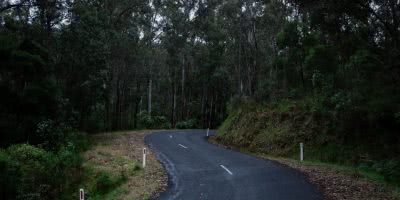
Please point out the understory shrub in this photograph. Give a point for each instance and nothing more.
(390, 169)
(35, 170)
(153, 122)
(188, 124)
(9, 176)
(105, 182)
(32, 173)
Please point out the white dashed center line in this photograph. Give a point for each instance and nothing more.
(226, 169)
(182, 146)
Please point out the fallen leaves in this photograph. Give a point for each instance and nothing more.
(336, 185)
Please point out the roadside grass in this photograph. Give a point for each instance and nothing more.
(353, 171)
(112, 168)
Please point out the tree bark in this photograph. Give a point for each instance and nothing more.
(149, 96)
(183, 90)
(173, 112)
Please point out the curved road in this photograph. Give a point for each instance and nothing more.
(200, 170)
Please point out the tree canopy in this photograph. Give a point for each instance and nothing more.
(105, 65)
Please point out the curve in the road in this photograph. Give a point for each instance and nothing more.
(200, 170)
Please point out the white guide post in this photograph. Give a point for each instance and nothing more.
(144, 158)
(208, 130)
(301, 151)
(81, 194)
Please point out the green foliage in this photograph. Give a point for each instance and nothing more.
(104, 183)
(289, 36)
(153, 122)
(105, 174)
(34, 173)
(188, 124)
(34, 165)
(32, 93)
(68, 157)
(9, 176)
(325, 72)
(52, 135)
(96, 122)
(390, 169)
(322, 58)
(78, 140)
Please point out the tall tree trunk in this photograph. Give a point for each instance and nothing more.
(211, 111)
(183, 90)
(137, 104)
(203, 107)
(302, 77)
(149, 96)
(116, 109)
(149, 89)
(173, 110)
(240, 82)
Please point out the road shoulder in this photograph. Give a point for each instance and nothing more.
(335, 182)
(113, 167)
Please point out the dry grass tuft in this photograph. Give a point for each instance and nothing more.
(118, 155)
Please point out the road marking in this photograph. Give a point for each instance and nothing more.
(226, 169)
(170, 136)
(182, 146)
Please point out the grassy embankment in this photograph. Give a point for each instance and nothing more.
(343, 167)
(112, 168)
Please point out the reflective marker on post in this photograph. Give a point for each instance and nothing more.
(144, 158)
(301, 151)
(81, 194)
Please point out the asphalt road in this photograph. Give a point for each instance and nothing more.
(200, 170)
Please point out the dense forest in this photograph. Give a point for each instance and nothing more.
(71, 66)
